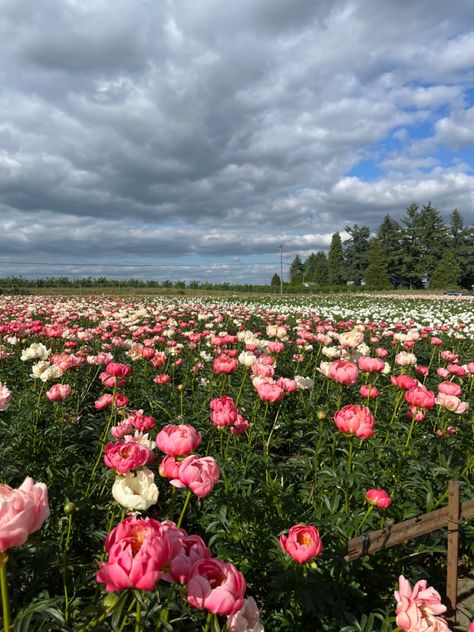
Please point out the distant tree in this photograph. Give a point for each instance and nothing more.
(389, 235)
(413, 267)
(276, 281)
(336, 261)
(461, 242)
(355, 252)
(296, 270)
(321, 269)
(309, 267)
(376, 273)
(433, 237)
(447, 272)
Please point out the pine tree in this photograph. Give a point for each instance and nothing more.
(376, 273)
(461, 242)
(433, 237)
(310, 267)
(321, 275)
(336, 261)
(412, 265)
(355, 252)
(276, 281)
(390, 236)
(447, 272)
(296, 270)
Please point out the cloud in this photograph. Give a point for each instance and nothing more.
(204, 129)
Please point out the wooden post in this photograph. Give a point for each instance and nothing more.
(454, 517)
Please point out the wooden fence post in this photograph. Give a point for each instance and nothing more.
(454, 517)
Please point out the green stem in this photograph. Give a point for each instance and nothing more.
(66, 548)
(208, 622)
(138, 620)
(4, 589)
(367, 513)
(183, 511)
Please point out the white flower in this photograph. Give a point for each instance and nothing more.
(136, 490)
(247, 619)
(247, 358)
(35, 351)
(45, 371)
(305, 382)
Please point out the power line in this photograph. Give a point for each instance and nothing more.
(138, 265)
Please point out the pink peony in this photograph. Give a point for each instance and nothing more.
(178, 440)
(343, 372)
(270, 391)
(355, 419)
(449, 388)
(247, 619)
(58, 392)
(22, 511)
(418, 608)
(127, 456)
(378, 498)
(302, 543)
(5, 397)
(216, 586)
(199, 475)
(420, 397)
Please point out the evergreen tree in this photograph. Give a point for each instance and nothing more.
(447, 272)
(296, 270)
(376, 273)
(321, 275)
(412, 266)
(461, 242)
(336, 261)
(433, 237)
(310, 267)
(355, 252)
(276, 281)
(390, 236)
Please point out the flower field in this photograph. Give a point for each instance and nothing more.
(196, 465)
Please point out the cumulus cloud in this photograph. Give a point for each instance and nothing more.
(210, 129)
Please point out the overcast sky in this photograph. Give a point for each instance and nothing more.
(206, 133)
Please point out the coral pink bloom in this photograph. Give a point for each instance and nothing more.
(199, 475)
(192, 548)
(262, 370)
(368, 391)
(355, 419)
(449, 388)
(104, 401)
(270, 391)
(225, 364)
(22, 511)
(5, 397)
(442, 372)
(420, 397)
(452, 403)
(224, 412)
(178, 440)
(169, 468)
(125, 457)
(418, 414)
(302, 543)
(138, 550)
(58, 392)
(216, 586)
(418, 608)
(371, 365)
(422, 370)
(140, 421)
(287, 384)
(118, 370)
(404, 381)
(382, 353)
(379, 498)
(455, 369)
(275, 347)
(343, 372)
(163, 378)
(436, 341)
(240, 426)
(148, 353)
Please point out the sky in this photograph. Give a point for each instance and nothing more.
(190, 139)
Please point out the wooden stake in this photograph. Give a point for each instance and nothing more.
(454, 517)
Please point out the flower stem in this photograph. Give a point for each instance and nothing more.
(4, 589)
(183, 511)
(138, 620)
(208, 622)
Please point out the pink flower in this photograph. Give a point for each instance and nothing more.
(371, 365)
(118, 370)
(140, 421)
(418, 414)
(163, 378)
(270, 391)
(418, 608)
(225, 364)
(191, 549)
(224, 411)
(452, 403)
(355, 419)
(5, 397)
(420, 397)
(138, 549)
(199, 475)
(58, 392)
(240, 426)
(247, 619)
(449, 388)
(368, 391)
(379, 498)
(287, 384)
(169, 468)
(127, 456)
(343, 372)
(216, 586)
(178, 440)
(404, 381)
(22, 511)
(302, 543)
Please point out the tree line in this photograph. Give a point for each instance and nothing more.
(422, 251)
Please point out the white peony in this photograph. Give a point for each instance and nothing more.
(136, 490)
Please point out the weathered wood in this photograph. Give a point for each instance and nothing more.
(394, 534)
(454, 518)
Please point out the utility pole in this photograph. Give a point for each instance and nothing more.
(281, 269)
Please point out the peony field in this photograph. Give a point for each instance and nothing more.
(186, 464)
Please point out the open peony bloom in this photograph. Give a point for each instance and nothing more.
(302, 543)
(136, 490)
(5, 397)
(418, 608)
(247, 619)
(356, 420)
(216, 586)
(22, 511)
